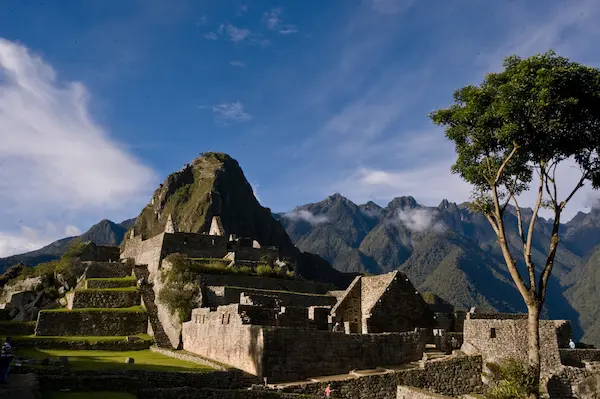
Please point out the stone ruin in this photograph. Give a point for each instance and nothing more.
(283, 329)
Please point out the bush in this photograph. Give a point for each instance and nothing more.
(511, 378)
(181, 287)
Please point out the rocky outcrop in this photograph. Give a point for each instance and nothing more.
(215, 185)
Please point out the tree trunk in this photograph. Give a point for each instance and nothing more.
(533, 330)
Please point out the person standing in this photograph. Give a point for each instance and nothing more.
(328, 391)
(5, 360)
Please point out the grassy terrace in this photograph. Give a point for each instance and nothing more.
(128, 278)
(135, 309)
(121, 289)
(115, 360)
(33, 338)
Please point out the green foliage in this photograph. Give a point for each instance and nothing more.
(543, 109)
(180, 287)
(511, 378)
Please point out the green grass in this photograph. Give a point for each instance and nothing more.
(88, 395)
(115, 360)
(144, 337)
(135, 309)
(128, 278)
(122, 289)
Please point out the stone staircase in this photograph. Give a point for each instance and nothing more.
(148, 297)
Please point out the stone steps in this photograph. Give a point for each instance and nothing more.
(160, 337)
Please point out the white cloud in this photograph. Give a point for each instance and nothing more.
(55, 161)
(233, 33)
(272, 20)
(419, 220)
(211, 36)
(29, 239)
(231, 112)
(307, 216)
(238, 64)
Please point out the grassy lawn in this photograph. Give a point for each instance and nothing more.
(88, 395)
(111, 338)
(128, 278)
(137, 309)
(98, 360)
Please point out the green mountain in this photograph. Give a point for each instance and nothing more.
(453, 252)
(104, 232)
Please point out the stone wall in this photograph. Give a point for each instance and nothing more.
(208, 393)
(399, 307)
(194, 245)
(8, 328)
(240, 346)
(264, 283)
(576, 357)
(496, 339)
(454, 376)
(67, 343)
(102, 283)
(107, 269)
(296, 354)
(96, 298)
(169, 321)
(252, 254)
(134, 380)
(92, 323)
(145, 252)
(100, 253)
(216, 296)
(348, 308)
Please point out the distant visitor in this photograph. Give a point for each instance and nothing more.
(5, 360)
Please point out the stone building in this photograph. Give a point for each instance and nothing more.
(153, 250)
(497, 336)
(383, 303)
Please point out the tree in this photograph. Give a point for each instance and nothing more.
(512, 132)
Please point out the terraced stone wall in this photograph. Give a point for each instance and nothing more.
(93, 298)
(92, 323)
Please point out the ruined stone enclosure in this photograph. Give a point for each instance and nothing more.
(384, 303)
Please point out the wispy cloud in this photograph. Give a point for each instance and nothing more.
(272, 20)
(233, 33)
(420, 220)
(211, 36)
(231, 112)
(238, 64)
(305, 215)
(54, 158)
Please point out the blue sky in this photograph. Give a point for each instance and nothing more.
(101, 100)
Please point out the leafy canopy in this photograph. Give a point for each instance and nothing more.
(536, 113)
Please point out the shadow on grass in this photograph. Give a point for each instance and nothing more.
(111, 360)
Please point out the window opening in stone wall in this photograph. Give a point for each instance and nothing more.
(213, 242)
(228, 318)
(492, 333)
(223, 319)
(203, 318)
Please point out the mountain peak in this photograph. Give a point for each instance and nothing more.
(402, 203)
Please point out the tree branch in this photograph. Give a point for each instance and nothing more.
(503, 166)
(519, 221)
(510, 261)
(511, 193)
(536, 209)
(577, 187)
(554, 240)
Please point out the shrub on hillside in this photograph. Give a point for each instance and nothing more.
(511, 378)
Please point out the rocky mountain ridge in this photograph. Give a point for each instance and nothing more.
(453, 252)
